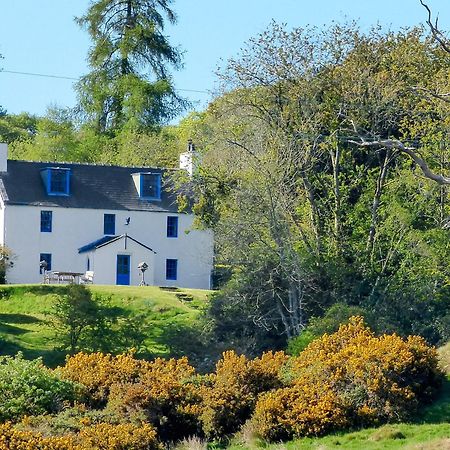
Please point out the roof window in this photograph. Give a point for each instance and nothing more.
(56, 180)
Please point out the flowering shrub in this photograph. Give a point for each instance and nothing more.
(345, 379)
(118, 437)
(350, 378)
(310, 407)
(98, 372)
(166, 395)
(230, 397)
(27, 387)
(99, 437)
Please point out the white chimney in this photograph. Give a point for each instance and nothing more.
(189, 159)
(3, 157)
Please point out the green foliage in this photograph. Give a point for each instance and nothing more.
(334, 317)
(81, 320)
(300, 342)
(6, 261)
(29, 388)
(17, 127)
(128, 40)
(305, 216)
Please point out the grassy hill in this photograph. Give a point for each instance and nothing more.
(24, 316)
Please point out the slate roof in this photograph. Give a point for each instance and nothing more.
(102, 242)
(91, 186)
(96, 243)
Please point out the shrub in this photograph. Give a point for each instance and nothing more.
(15, 439)
(118, 437)
(297, 344)
(83, 320)
(100, 437)
(308, 408)
(166, 395)
(27, 387)
(350, 378)
(230, 398)
(98, 372)
(334, 317)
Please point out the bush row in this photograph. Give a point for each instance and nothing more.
(344, 379)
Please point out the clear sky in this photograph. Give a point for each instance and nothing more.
(41, 37)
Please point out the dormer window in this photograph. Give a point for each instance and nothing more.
(148, 185)
(56, 180)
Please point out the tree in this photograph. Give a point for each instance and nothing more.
(129, 83)
(6, 261)
(305, 214)
(17, 127)
(81, 320)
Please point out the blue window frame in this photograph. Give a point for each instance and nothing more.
(46, 221)
(172, 226)
(171, 269)
(151, 186)
(109, 224)
(47, 257)
(56, 180)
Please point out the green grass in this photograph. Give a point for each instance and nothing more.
(24, 316)
(401, 436)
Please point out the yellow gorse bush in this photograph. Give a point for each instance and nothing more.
(345, 379)
(230, 396)
(165, 395)
(349, 378)
(98, 372)
(99, 437)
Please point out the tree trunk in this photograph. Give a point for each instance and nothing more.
(335, 161)
(376, 201)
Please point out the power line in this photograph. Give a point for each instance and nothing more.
(39, 75)
(61, 77)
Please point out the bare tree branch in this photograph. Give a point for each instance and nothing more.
(437, 34)
(410, 151)
(432, 93)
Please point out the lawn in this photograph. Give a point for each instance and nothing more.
(24, 316)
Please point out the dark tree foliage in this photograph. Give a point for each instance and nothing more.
(129, 83)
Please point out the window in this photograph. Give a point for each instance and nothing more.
(47, 257)
(109, 224)
(171, 269)
(46, 221)
(172, 226)
(151, 186)
(56, 180)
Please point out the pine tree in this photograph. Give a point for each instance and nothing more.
(129, 83)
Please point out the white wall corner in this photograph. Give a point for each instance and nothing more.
(3, 157)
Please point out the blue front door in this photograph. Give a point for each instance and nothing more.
(123, 269)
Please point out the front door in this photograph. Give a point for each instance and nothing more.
(123, 269)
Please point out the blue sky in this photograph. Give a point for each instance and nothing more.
(41, 37)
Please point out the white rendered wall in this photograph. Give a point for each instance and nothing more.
(73, 228)
(2, 223)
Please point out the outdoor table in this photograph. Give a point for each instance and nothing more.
(71, 277)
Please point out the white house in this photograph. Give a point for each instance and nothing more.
(104, 219)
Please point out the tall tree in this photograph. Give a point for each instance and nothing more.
(129, 83)
(305, 212)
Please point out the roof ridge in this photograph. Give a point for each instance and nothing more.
(68, 163)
